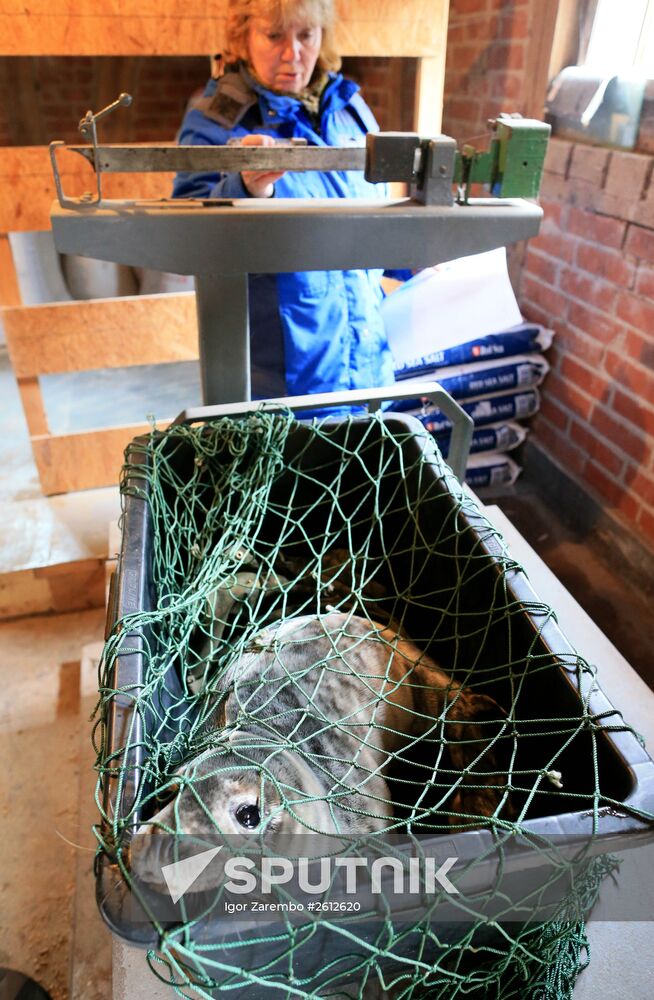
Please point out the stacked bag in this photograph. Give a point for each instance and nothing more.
(443, 325)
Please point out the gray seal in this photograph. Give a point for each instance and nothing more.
(314, 711)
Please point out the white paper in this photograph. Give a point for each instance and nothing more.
(450, 304)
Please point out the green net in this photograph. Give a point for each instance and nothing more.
(332, 639)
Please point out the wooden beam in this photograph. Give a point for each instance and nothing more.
(33, 408)
(9, 288)
(28, 189)
(429, 96)
(102, 333)
(197, 27)
(69, 462)
(574, 22)
(539, 53)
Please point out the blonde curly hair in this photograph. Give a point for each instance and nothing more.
(280, 13)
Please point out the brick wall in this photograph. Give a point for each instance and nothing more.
(52, 93)
(486, 64)
(589, 275)
(388, 86)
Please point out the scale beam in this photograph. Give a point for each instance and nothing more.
(116, 159)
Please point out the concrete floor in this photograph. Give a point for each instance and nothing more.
(599, 578)
(46, 806)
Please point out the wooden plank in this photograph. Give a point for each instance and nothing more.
(35, 592)
(28, 189)
(30, 394)
(429, 95)
(70, 462)
(102, 333)
(9, 288)
(539, 52)
(574, 21)
(197, 28)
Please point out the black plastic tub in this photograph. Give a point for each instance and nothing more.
(467, 558)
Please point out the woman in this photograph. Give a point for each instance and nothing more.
(314, 331)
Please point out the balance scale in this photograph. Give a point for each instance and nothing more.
(221, 241)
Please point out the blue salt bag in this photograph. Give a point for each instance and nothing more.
(491, 470)
(495, 437)
(528, 338)
(483, 410)
(466, 381)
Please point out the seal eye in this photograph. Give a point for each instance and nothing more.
(248, 816)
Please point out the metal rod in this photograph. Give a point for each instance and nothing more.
(221, 159)
(461, 421)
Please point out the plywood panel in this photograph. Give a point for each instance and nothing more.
(102, 333)
(69, 462)
(93, 27)
(28, 189)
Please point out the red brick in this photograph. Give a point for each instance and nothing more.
(589, 163)
(596, 228)
(555, 188)
(532, 313)
(541, 265)
(544, 296)
(553, 214)
(484, 27)
(646, 525)
(589, 381)
(557, 158)
(643, 487)
(602, 484)
(466, 57)
(510, 86)
(455, 33)
(595, 324)
(605, 264)
(596, 291)
(596, 449)
(567, 396)
(618, 206)
(645, 281)
(645, 214)
(627, 504)
(627, 174)
(507, 55)
(641, 347)
(551, 241)
(640, 243)
(463, 7)
(615, 431)
(514, 25)
(558, 445)
(457, 107)
(580, 345)
(556, 415)
(635, 411)
(638, 380)
(491, 109)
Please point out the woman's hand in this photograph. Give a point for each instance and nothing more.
(259, 185)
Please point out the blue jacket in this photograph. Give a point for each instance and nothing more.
(312, 331)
